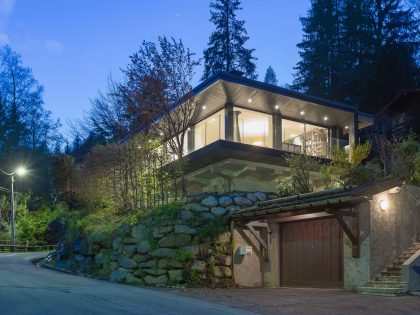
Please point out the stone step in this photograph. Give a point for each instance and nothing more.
(387, 284)
(389, 278)
(390, 273)
(382, 291)
(393, 268)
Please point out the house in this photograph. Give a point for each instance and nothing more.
(244, 128)
(401, 116)
(363, 238)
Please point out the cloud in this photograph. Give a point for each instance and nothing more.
(53, 46)
(4, 39)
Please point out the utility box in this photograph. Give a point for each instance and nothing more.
(245, 250)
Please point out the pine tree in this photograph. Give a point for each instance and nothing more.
(270, 76)
(226, 49)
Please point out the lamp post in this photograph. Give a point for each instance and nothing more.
(20, 171)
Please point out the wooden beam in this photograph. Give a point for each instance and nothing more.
(342, 212)
(352, 233)
(302, 217)
(257, 236)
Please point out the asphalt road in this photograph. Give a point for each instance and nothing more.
(28, 289)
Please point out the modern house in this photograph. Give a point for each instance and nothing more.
(244, 128)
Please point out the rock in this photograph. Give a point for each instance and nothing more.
(160, 231)
(118, 275)
(114, 265)
(242, 201)
(139, 273)
(129, 240)
(192, 249)
(98, 259)
(143, 246)
(185, 215)
(272, 196)
(77, 245)
(210, 202)
(148, 264)
(185, 229)
(199, 265)
(163, 252)
(225, 260)
(195, 207)
(169, 263)
(155, 271)
(222, 271)
(207, 216)
(225, 201)
(131, 279)
(139, 231)
(126, 262)
(78, 258)
(175, 275)
(116, 242)
(224, 237)
(129, 250)
(218, 211)
(175, 241)
(260, 196)
(232, 209)
(141, 258)
(151, 280)
(124, 230)
(251, 197)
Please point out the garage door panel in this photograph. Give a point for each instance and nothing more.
(311, 253)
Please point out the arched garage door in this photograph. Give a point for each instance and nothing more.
(312, 254)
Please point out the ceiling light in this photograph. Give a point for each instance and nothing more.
(204, 107)
(189, 128)
(325, 118)
(346, 127)
(293, 136)
(276, 107)
(249, 100)
(302, 112)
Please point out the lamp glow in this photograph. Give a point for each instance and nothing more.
(249, 100)
(383, 203)
(276, 107)
(302, 112)
(20, 171)
(326, 118)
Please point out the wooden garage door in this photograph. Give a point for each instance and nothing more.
(311, 254)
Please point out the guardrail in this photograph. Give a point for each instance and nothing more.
(26, 248)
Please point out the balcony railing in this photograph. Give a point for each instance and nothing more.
(320, 149)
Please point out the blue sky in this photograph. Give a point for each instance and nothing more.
(73, 46)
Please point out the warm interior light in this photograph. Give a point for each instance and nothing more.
(189, 128)
(203, 107)
(383, 203)
(20, 171)
(302, 112)
(346, 127)
(257, 143)
(249, 100)
(325, 118)
(276, 107)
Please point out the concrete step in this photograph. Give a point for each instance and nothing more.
(393, 269)
(387, 284)
(382, 291)
(389, 278)
(390, 273)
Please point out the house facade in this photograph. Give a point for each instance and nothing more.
(244, 128)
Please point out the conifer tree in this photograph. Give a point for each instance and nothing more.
(270, 76)
(226, 50)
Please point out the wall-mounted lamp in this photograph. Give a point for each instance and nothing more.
(384, 203)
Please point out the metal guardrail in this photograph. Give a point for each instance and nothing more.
(26, 248)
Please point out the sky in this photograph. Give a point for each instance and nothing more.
(74, 46)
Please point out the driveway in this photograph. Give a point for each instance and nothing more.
(27, 289)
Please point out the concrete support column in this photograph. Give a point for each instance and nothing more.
(191, 139)
(229, 121)
(277, 132)
(354, 130)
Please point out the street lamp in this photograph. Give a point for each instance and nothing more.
(20, 171)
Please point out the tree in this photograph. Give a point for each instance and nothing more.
(226, 50)
(270, 76)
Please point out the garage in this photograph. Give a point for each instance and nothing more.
(311, 254)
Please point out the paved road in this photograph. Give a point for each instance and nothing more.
(27, 289)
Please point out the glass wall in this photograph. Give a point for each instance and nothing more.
(252, 127)
(301, 137)
(209, 130)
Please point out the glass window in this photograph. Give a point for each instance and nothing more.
(292, 134)
(252, 127)
(316, 140)
(209, 130)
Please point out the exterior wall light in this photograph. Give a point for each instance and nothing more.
(384, 203)
(302, 113)
(346, 127)
(325, 118)
(394, 190)
(276, 107)
(249, 100)
(204, 107)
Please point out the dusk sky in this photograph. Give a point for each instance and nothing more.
(73, 46)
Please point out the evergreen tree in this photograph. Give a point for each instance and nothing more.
(270, 76)
(226, 49)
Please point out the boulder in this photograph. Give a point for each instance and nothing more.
(195, 207)
(129, 250)
(78, 258)
(141, 258)
(152, 280)
(207, 216)
(132, 279)
(199, 265)
(225, 201)
(218, 211)
(116, 242)
(155, 271)
(143, 246)
(224, 237)
(139, 231)
(160, 231)
(251, 197)
(139, 273)
(232, 209)
(185, 229)
(126, 262)
(98, 259)
(129, 240)
(185, 215)
(163, 253)
(175, 240)
(169, 264)
(118, 275)
(114, 265)
(175, 275)
(124, 230)
(260, 196)
(193, 249)
(222, 271)
(242, 201)
(148, 264)
(210, 202)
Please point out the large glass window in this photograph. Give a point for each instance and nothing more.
(252, 127)
(209, 130)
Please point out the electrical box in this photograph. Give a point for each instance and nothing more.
(245, 250)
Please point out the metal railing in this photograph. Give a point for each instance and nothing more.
(6, 246)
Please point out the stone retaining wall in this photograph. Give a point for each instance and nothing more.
(191, 244)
